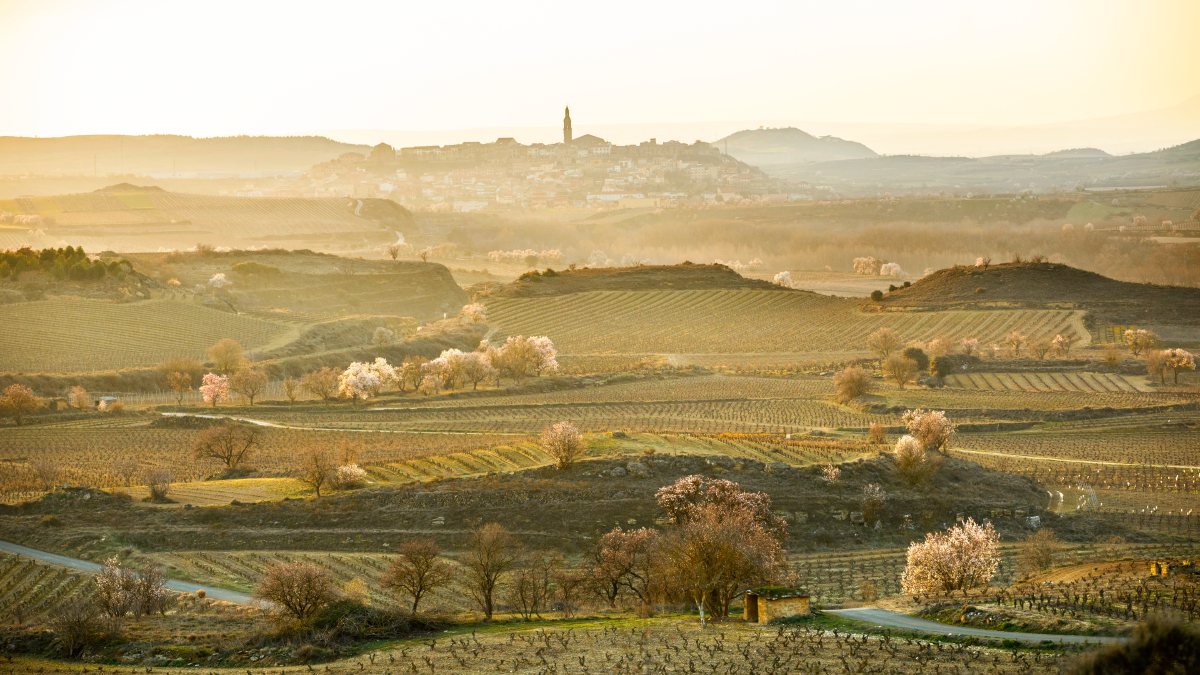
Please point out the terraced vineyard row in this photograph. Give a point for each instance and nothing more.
(31, 591)
(698, 388)
(1047, 382)
(951, 397)
(1157, 447)
(716, 321)
(94, 456)
(772, 416)
(77, 335)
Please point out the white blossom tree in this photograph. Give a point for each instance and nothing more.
(564, 443)
(962, 558)
(930, 427)
(1180, 359)
(474, 312)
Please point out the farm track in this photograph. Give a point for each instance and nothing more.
(884, 617)
(91, 567)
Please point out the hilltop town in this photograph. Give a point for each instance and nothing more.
(579, 172)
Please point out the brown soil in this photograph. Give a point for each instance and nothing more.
(683, 277)
(1047, 285)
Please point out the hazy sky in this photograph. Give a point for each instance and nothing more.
(215, 67)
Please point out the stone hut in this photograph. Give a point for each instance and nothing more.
(773, 602)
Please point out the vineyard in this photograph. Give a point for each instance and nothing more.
(79, 335)
(1131, 446)
(745, 321)
(1047, 382)
(705, 416)
(31, 591)
(32, 459)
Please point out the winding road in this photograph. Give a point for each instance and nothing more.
(87, 566)
(884, 617)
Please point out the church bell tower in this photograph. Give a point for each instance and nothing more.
(567, 135)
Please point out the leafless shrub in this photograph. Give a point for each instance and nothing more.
(158, 481)
(300, 589)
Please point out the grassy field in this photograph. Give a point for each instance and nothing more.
(77, 335)
(731, 322)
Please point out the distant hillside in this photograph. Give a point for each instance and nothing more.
(1075, 153)
(316, 284)
(163, 154)
(684, 277)
(130, 218)
(789, 146)
(1046, 285)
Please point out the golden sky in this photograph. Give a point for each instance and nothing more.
(217, 67)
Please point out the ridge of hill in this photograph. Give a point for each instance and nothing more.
(127, 217)
(790, 145)
(685, 276)
(166, 154)
(1035, 285)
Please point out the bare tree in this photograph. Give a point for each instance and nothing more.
(226, 355)
(852, 383)
(299, 588)
(532, 583)
(419, 570)
(899, 370)
(77, 625)
(291, 389)
(884, 342)
(158, 481)
(180, 383)
(1158, 363)
(394, 251)
(491, 553)
(47, 472)
(317, 468)
(126, 467)
(1013, 341)
(232, 443)
(1039, 551)
(1038, 349)
(249, 382)
(322, 383)
(564, 443)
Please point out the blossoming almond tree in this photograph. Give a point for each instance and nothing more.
(360, 380)
(963, 558)
(214, 388)
(564, 443)
(929, 427)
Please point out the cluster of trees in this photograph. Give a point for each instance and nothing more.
(722, 541)
(1158, 361)
(918, 454)
(61, 263)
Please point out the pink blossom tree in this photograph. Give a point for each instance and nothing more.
(214, 388)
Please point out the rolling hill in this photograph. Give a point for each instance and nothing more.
(166, 154)
(130, 218)
(1048, 285)
(762, 147)
(686, 276)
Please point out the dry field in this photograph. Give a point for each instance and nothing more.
(79, 335)
(749, 322)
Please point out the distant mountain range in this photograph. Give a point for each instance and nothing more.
(789, 145)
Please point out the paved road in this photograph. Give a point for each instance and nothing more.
(883, 617)
(86, 566)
